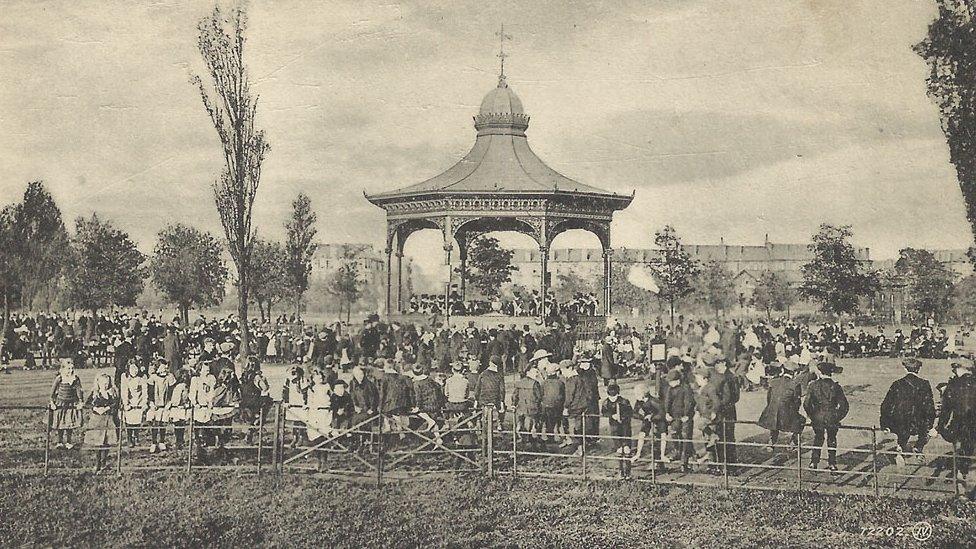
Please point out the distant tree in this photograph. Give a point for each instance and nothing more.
(674, 270)
(489, 266)
(930, 283)
(106, 266)
(835, 278)
(300, 247)
(42, 241)
(569, 284)
(345, 283)
(269, 277)
(950, 50)
(715, 287)
(33, 247)
(187, 268)
(9, 275)
(625, 295)
(964, 299)
(232, 111)
(773, 293)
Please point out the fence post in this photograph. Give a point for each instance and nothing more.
(653, 460)
(725, 452)
(189, 443)
(799, 461)
(47, 439)
(955, 470)
(514, 446)
(278, 439)
(379, 453)
(583, 444)
(260, 437)
(874, 460)
(123, 433)
(490, 410)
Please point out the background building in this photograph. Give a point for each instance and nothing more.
(745, 262)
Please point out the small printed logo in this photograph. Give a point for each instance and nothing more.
(922, 531)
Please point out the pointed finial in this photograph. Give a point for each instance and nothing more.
(502, 37)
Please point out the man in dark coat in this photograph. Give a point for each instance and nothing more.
(909, 410)
(782, 412)
(728, 393)
(608, 368)
(490, 388)
(826, 406)
(957, 418)
(679, 409)
(592, 387)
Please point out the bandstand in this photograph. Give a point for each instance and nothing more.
(500, 185)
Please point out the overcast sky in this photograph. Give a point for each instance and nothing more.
(729, 119)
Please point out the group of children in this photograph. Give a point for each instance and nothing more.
(154, 399)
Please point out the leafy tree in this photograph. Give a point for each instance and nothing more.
(269, 277)
(674, 270)
(773, 293)
(41, 241)
(489, 266)
(33, 245)
(232, 111)
(345, 283)
(569, 284)
(626, 295)
(950, 50)
(964, 299)
(930, 283)
(300, 247)
(835, 278)
(106, 266)
(9, 275)
(716, 287)
(187, 268)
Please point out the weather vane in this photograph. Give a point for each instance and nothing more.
(502, 37)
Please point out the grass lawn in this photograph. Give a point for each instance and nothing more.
(227, 511)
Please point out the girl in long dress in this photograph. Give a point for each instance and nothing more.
(66, 402)
(102, 433)
(135, 399)
(177, 409)
(293, 398)
(226, 404)
(319, 405)
(201, 402)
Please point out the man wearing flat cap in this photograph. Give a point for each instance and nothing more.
(909, 410)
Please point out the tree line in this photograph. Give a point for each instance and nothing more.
(99, 266)
(834, 279)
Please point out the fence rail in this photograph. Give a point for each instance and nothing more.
(294, 439)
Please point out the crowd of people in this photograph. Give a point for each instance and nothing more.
(582, 304)
(417, 377)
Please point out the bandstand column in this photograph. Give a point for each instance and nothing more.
(447, 287)
(463, 256)
(399, 293)
(389, 282)
(607, 272)
(543, 285)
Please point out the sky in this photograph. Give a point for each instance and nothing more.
(728, 119)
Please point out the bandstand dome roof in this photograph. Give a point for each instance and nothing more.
(501, 100)
(500, 162)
